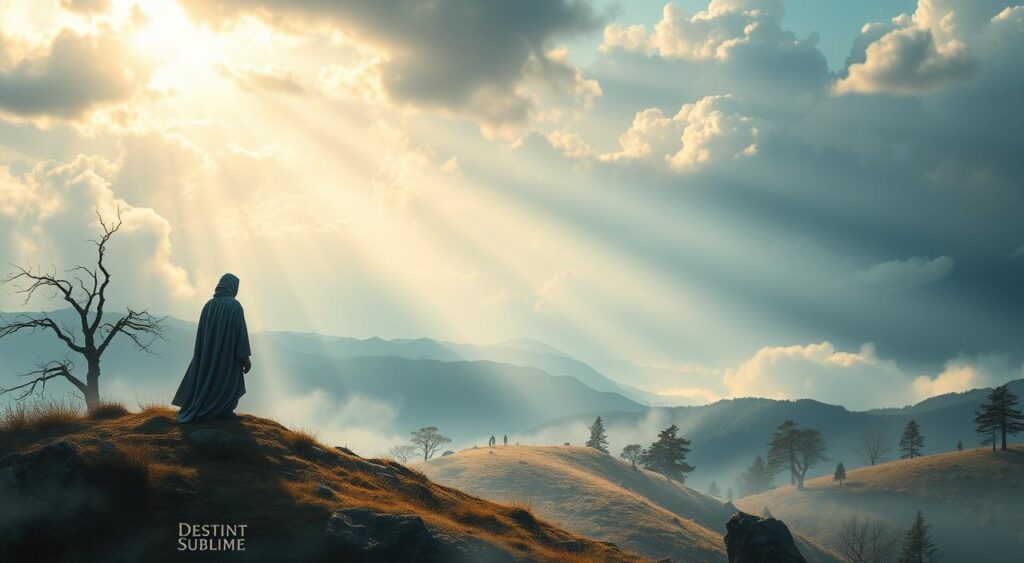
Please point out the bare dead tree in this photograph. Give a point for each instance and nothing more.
(865, 541)
(402, 453)
(428, 440)
(85, 290)
(872, 447)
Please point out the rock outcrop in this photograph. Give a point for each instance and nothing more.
(360, 534)
(752, 539)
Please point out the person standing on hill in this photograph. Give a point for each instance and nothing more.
(506, 439)
(213, 382)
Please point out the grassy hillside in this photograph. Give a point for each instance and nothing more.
(746, 425)
(974, 500)
(597, 496)
(114, 488)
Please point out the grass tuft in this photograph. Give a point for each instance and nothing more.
(40, 413)
(108, 410)
(301, 440)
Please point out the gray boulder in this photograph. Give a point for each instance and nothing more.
(360, 534)
(752, 539)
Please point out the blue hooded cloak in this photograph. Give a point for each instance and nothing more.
(214, 381)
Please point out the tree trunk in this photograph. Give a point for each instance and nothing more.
(1003, 428)
(92, 385)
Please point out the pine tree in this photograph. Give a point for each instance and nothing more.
(911, 441)
(757, 478)
(765, 513)
(840, 473)
(795, 450)
(917, 543)
(598, 439)
(713, 490)
(667, 455)
(998, 417)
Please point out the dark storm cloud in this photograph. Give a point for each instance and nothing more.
(880, 216)
(78, 73)
(457, 55)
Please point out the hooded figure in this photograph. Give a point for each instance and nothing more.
(214, 383)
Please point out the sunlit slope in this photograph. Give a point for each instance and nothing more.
(974, 500)
(595, 495)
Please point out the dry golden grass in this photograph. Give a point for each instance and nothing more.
(273, 488)
(38, 413)
(108, 409)
(972, 499)
(592, 494)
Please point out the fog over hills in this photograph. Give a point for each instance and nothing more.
(370, 393)
(972, 499)
(598, 496)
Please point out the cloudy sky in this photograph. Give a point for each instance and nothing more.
(780, 198)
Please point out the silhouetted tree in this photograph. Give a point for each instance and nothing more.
(757, 478)
(85, 290)
(402, 452)
(795, 450)
(840, 473)
(911, 441)
(917, 543)
(667, 455)
(428, 440)
(865, 541)
(728, 494)
(959, 445)
(998, 417)
(632, 452)
(872, 447)
(765, 513)
(713, 490)
(598, 438)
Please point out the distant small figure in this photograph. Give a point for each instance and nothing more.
(214, 383)
(959, 445)
(492, 441)
(506, 439)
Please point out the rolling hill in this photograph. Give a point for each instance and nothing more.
(974, 501)
(116, 486)
(599, 497)
(746, 425)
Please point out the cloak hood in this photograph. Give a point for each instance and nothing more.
(227, 286)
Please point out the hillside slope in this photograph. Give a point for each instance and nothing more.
(747, 425)
(116, 488)
(597, 496)
(973, 499)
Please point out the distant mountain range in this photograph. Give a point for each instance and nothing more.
(523, 388)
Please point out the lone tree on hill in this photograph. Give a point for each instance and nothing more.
(85, 290)
(998, 417)
(632, 452)
(795, 450)
(917, 543)
(840, 473)
(667, 455)
(911, 441)
(757, 478)
(713, 490)
(872, 447)
(598, 438)
(428, 440)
